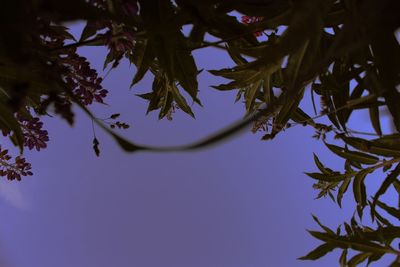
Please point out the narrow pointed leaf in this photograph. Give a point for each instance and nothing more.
(359, 189)
(359, 258)
(353, 155)
(374, 257)
(320, 166)
(329, 178)
(342, 189)
(375, 121)
(387, 183)
(318, 252)
(143, 57)
(327, 229)
(343, 258)
(180, 100)
(371, 146)
(392, 211)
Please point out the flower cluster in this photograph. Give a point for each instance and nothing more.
(13, 170)
(83, 80)
(250, 20)
(82, 83)
(34, 135)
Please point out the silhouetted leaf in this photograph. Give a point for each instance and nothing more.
(374, 257)
(318, 252)
(96, 146)
(342, 189)
(360, 194)
(386, 184)
(180, 100)
(374, 116)
(359, 258)
(343, 258)
(329, 178)
(353, 155)
(320, 166)
(143, 57)
(329, 231)
(372, 147)
(392, 211)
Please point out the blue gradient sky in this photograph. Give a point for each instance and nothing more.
(244, 203)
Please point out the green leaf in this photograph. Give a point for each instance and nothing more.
(319, 252)
(392, 211)
(267, 89)
(389, 141)
(295, 91)
(372, 147)
(374, 257)
(186, 71)
(360, 194)
(385, 49)
(143, 56)
(359, 258)
(342, 189)
(386, 184)
(335, 177)
(361, 100)
(343, 258)
(328, 230)
(235, 55)
(300, 116)
(320, 166)
(88, 31)
(286, 112)
(374, 116)
(344, 242)
(180, 100)
(376, 215)
(197, 34)
(396, 185)
(244, 76)
(250, 94)
(295, 62)
(353, 155)
(396, 262)
(96, 147)
(166, 105)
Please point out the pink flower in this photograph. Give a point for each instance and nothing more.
(250, 20)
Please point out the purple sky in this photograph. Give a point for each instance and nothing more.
(244, 203)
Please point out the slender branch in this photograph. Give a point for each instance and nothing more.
(78, 44)
(385, 163)
(91, 41)
(205, 44)
(335, 110)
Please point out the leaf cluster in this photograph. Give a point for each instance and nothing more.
(344, 51)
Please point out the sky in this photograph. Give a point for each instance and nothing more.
(242, 203)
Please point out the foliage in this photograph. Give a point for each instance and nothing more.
(345, 51)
